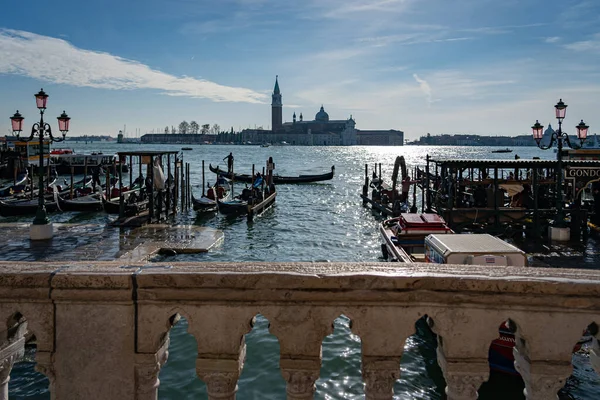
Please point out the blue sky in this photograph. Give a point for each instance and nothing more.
(439, 66)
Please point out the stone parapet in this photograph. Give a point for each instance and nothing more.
(102, 329)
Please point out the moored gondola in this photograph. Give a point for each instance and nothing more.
(16, 187)
(132, 205)
(255, 199)
(277, 179)
(24, 207)
(88, 203)
(208, 201)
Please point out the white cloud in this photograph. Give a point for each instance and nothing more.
(57, 61)
(425, 88)
(592, 45)
(552, 39)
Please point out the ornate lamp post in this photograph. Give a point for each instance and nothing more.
(41, 227)
(558, 136)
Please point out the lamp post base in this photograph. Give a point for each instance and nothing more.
(559, 234)
(41, 232)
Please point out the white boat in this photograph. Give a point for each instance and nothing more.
(64, 161)
(29, 151)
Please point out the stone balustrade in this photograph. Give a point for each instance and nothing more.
(102, 330)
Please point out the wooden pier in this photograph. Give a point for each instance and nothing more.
(502, 197)
(166, 183)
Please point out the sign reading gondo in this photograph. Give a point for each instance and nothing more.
(580, 177)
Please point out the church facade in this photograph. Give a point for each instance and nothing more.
(318, 132)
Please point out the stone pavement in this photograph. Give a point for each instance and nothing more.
(96, 242)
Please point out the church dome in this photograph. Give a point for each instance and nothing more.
(322, 116)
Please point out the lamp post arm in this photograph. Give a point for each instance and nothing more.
(48, 129)
(550, 145)
(572, 145)
(34, 129)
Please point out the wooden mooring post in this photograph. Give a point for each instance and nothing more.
(365, 191)
(182, 194)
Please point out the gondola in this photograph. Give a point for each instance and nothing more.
(244, 205)
(208, 203)
(277, 179)
(204, 204)
(24, 207)
(16, 187)
(132, 206)
(89, 203)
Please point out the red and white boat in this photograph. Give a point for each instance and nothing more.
(404, 236)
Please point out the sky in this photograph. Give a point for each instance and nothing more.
(420, 66)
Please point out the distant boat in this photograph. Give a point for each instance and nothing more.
(265, 145)
(186, 148)
(507, 150)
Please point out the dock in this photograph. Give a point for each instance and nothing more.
(510, 197)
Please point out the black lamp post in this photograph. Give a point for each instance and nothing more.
(41, 128)
(559, 136)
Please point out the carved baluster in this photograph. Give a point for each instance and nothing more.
(383, 332)
(221, 346)
(221, 375)
(543, 379)
(300, 331)
(300, 376)
(10, 352)
(464, 337)
(544, 359)
(147, 368)
(379, 377)
(463, 376)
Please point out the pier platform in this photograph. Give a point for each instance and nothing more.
(94, 242)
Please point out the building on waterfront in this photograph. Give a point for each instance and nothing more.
(321, 131)
(178, 138)
(474, 140)
(390, 137)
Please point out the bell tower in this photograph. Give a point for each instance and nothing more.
(276, 108)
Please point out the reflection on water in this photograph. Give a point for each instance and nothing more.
(311, 222)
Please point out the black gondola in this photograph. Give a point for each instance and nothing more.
(88, 203)
(113, 206)
(19, 186)
(247, 205)
(24, 207)
(277, 179)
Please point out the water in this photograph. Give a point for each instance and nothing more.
(312, 222)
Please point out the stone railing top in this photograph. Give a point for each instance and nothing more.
(337, 276)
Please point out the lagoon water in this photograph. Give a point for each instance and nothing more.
(313, 222)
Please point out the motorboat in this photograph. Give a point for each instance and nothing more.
(404, 236)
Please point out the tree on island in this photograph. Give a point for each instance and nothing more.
(172, 129)
(194, 127)
(205, 128)
(166, 129)
(215, 129)
(184, 127)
